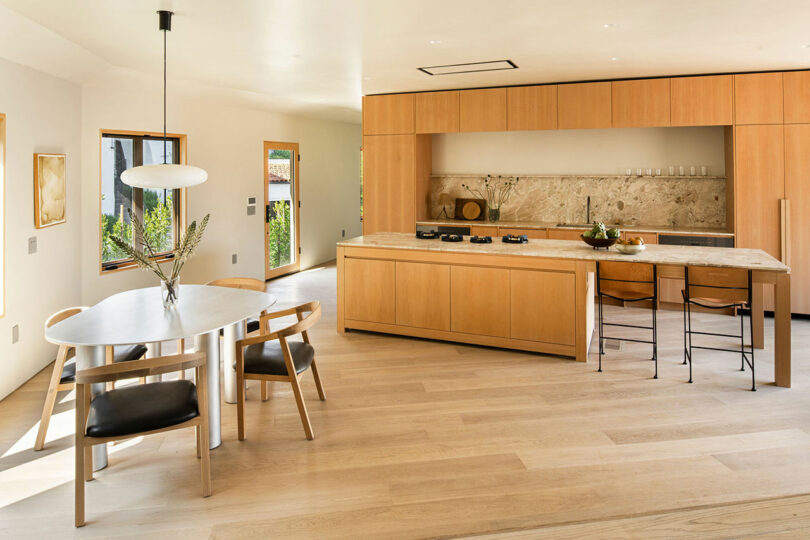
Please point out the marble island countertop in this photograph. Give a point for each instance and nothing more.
(552, 225)
(753, 259)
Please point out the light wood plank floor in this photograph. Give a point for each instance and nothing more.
(422, 439)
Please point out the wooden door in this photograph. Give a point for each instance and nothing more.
(797, 97)
(759, 186)
(388, 115)
(543, 306)
(702, 101)
(758, 98)
(282, 224)
(531, 107)
(482, 110)
(369, 289)
(479, 300)
(423, 295)
(437, 112)
(797, 193)
(389, 171)
(640, 103)
(584, 105)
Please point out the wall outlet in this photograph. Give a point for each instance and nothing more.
(233, 258)
(32, 245)
(343, 233)
(15, 333)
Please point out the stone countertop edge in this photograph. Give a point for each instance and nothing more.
(550, 225)
(748, 259)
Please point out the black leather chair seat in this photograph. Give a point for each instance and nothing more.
(267, 359)
(142, 407)
(252, 326)
(125, 353)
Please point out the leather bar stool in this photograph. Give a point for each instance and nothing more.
(718, 289)
(627, 282)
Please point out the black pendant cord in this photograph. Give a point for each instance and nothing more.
(164, 97)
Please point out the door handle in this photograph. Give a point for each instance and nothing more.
(784, 219)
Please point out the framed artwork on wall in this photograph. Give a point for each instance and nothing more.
(49, 190)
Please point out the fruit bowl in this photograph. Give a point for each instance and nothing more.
(630, 249)
(598, 243)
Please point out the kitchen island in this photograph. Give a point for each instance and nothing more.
(537, 296)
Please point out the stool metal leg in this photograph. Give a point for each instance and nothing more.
(751, 328)
(742, 341)
(655, 338)
(601, 333)
(689, 334)
(684, 332)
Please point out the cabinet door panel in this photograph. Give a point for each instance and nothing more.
(482, 110)
(758, 98)
(759, 185)
(369, 290)
(543, 306)
(702, 101)
(389, 183)
(584, 105)
(641, 103)
(565, 234)
(531, 107)
(437, 112)
(797, 97)
(797, 192)
(483, 230)
(423, 295)
(388, 115)
(479, 300)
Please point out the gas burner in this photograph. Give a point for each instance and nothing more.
(427, 235)
(447, 237)
(515, 239)
(481, 239)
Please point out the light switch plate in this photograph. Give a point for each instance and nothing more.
(15, 333)
(233, 258)
(343, 233)
(251, 210)
(32, 245)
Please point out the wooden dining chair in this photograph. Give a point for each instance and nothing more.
(270, 356)
(250, 284)
(63, 375)
(142, 409)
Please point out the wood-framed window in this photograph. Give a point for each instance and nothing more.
(161, 211)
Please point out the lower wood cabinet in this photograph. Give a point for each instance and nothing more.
(530, 233)
(483, 230)
(370, 290)
(543, 306)
(565, 234)
(423, 295)
(479, 300)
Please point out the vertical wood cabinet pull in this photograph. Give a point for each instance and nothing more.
(784, 215)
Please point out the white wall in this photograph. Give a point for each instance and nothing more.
(578, 151)
(227, 141)
(43, 114)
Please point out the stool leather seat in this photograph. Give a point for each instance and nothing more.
(714, 303)
(142, 407)
(125, 353)
(267, 359)
(620, 294)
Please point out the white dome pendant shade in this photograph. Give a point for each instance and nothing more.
(164, 175)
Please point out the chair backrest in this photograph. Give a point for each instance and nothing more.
(726, 284)
(60, 316)
(304, 322)
(240, 283)
(638, 277)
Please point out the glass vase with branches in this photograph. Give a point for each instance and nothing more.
(496, 192)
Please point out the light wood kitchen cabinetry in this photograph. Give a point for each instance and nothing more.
(388, 115)
(543, 306)
(530, 233)
(437, 112)
(482, 110)
(584, 105)
(758, 98)
(479, 300)
(423, 295)
(759, 186)
(565, 234)
(483, 230)
(370, 290)
(641, 103)
(797, 97)
(702, 101)
(531, 107)
(797, 218)
(396, 182)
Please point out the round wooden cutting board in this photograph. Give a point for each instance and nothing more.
(471, 210)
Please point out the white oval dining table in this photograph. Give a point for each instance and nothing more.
(138, 316)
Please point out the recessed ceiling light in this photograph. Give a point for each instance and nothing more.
(613, 58)
(806, 46)
(608, 25)
(435, 42)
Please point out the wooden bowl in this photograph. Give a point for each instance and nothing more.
(598, 243)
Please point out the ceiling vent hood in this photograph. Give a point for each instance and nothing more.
(470, 67)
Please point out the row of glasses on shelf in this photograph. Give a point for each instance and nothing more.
(681, 170)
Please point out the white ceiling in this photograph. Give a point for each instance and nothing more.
(317, 57)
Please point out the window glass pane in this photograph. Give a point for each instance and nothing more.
(158, 211)
(279, 213)
(116, 197)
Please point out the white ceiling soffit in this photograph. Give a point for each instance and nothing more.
(317, 57)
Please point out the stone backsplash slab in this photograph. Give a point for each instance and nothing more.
(669, 201)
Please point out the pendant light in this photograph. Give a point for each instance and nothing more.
(164, 175)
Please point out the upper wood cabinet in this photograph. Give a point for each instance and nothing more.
(437, 112)
(483, 110)
(702, 101)
(531, 107)
(388, 115)
(583, 105)
(797, 96)
(641, 103)
(758, 98)
(797, 192)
